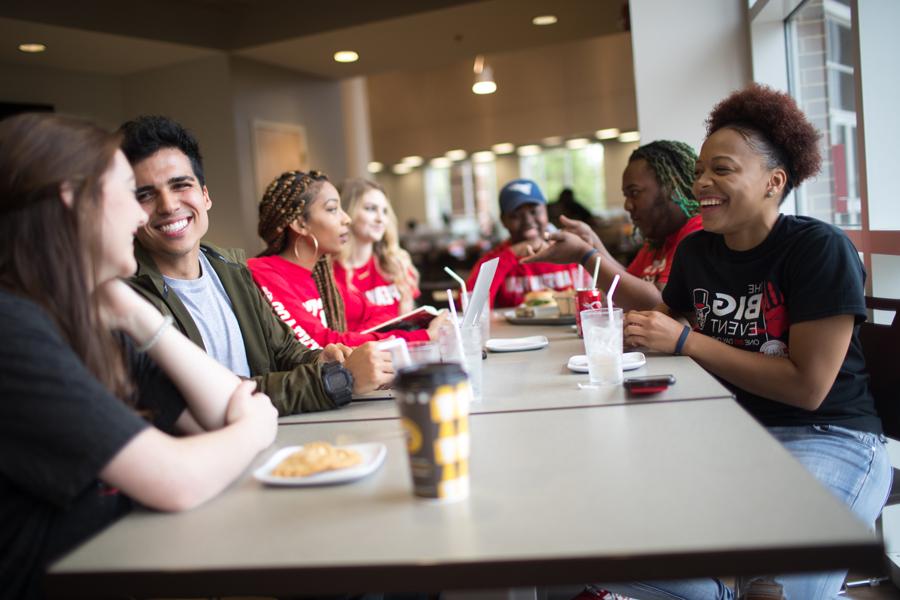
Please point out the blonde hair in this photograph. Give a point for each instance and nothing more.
(286, 199)
(392, 261)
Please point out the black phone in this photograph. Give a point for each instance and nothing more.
(649, 384)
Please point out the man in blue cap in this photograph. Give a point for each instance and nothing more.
(523, 211)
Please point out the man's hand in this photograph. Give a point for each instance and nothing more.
(528, 247)
(563, 248)
(582, 230)
(371, 368)
(335, 353)
(652, 330)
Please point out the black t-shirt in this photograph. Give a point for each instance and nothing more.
(59, 427)
(803, 271)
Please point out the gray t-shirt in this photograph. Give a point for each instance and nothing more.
(211, 309)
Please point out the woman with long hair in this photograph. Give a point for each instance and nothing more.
(774, 303)
(372, 261)
(304, 228)
(95, 384)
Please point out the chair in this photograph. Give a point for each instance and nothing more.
(881, 345)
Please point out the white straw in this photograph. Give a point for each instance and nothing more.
(464, 297)
(455, 320)
(609, 296)
(596, 270)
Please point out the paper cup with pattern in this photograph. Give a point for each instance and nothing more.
(434, 412)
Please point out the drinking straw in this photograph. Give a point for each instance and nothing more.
(609, 296)
(455, 321)
(596, 270)
(464, 294)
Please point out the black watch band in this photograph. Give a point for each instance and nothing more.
(338, 383)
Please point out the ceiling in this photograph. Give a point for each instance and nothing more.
(117, 38)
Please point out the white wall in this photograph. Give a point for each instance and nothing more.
(688, 55)
(95, 97)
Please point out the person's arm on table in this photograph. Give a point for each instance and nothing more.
(803, 379)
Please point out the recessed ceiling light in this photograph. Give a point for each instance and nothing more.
(503, 148)
(457, 154)
(529, 150)
(544, 20)
(577, 143)
(412, 161)
(346, 56)
(630, 136)
(375, 167)
(401, 169)
(607, 134)
(483, 156)
(32, 48)
(553, 140)
(441, 162)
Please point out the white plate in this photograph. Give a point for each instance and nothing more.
(531, 342)
(372, 457)
(630, 362)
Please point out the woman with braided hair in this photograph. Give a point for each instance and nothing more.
(658, 196)
(304, 227)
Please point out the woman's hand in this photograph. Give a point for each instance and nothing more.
(335, 353)
(118, 303)
(255, 411)
(370, 367)
(564, 248)
(435, 325)
(582, 230)
(652, 330)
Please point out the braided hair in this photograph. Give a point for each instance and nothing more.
(673, 165)
(287, 199)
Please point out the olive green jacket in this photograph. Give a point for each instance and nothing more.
(288, 372)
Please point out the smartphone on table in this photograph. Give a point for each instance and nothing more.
(649, 384)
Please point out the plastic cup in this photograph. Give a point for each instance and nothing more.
(603, 344)
(585, 299)
(434, 412)
(471, 358)
(423, 353)
(400, 357)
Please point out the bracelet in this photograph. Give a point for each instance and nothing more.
(167, 320)
(587, 256)
(682, 339)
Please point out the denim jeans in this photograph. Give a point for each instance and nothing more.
(854, 465)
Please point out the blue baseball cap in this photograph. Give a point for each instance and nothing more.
(518, 192)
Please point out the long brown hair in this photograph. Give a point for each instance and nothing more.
(391, 260)
(43, 241)
(286, 199)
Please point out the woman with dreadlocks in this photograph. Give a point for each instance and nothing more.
(304, 227)
(658, 196)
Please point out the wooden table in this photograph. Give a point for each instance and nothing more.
(669, 489)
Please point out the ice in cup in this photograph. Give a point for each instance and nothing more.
(471, 347)
(586, 299)
(434, 413)
(603, 344)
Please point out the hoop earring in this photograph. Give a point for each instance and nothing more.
(315, 246)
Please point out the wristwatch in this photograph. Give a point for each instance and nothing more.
(338, 383)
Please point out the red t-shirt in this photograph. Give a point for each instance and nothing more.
(295, 298)
(514, 278)
(654, 264)
(381, 293)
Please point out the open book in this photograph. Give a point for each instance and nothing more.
(414, 319)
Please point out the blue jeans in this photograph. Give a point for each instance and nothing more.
(854, 465)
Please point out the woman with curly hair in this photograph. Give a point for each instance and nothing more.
(304, 227)
(774, 303)
(657, 188)
(373, 261)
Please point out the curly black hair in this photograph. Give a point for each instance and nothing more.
(772, 123)
(148, 134)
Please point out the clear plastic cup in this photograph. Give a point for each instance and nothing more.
(472, 352)
(603, 344)
(423, 353)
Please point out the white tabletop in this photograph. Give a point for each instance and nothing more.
(540, 380)
(561, 496)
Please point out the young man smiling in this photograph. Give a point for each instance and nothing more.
(209, 291)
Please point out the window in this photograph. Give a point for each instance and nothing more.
(580, 169)
(461, 197)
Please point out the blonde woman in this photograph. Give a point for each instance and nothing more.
(373, 261)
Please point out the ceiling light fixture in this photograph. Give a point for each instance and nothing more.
(441, 162)
(346, 56)
(484, 78)
(529, 150)
(577, 143)
(553, 140)
(630, 136)
(544, 20)
(32, 48)
(607, 134)
(483, 156)
(412, 161)
(401, 169)
(457, 154)
(503, 148)
(375, 167)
